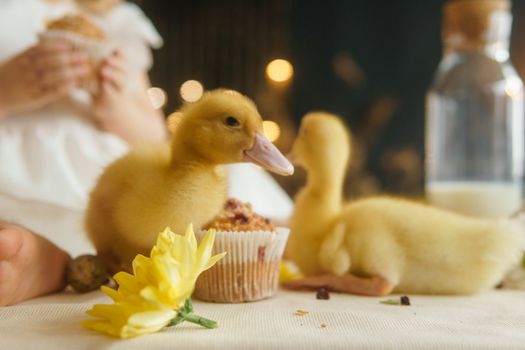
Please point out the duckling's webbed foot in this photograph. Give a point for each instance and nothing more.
(347, 283)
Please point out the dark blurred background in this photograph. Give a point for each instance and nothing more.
(369, 61)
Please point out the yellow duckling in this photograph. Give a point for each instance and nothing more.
(155, 187)
(378, 245)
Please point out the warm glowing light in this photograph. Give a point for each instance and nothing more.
(279, 70)
(191, 90)
(173, 120)
(514, 88)
(271, 130)
(157, 97)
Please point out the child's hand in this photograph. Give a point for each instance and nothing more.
(112, 99)
(121, 105)
(114, 75)
(40, 75)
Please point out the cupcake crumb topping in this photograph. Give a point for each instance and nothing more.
(239, 216)
(77, 24)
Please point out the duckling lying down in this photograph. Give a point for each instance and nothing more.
(378, 245)
(155, 187)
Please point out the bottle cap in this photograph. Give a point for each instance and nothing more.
(475, 23)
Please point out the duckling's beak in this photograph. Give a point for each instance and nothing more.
(266, 155)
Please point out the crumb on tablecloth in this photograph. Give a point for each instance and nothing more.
(403, 300)
(323, 294)
(300, 312)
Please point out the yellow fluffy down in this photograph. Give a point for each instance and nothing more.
(158, 186)
(416, 247)
(422, 249)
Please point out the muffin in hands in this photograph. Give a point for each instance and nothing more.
(85, 36)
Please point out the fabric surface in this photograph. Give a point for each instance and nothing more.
(494, 320)
(54, 157)
(64, 227)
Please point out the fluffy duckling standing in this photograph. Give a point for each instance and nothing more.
(152, 188)
(378, 245)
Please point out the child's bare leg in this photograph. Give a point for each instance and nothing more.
(30, 265)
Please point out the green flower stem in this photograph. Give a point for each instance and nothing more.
(201, 320)
(175, 321)
(186, 314)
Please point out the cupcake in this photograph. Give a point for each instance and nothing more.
(98, 6)
(84, 35)
(78, 25)
(250, 270)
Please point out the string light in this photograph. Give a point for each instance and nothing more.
(279, 70)
(191, 90)
(157, 97)
(271, 130)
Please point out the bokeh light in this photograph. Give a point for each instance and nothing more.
(279, 70)
(514, 87)
(272, 130)
(157, 97)
(191, 90)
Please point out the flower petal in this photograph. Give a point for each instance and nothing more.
(128, 284)
(204, 251)
(152, 319)
(190, 237)
(102, 326)
(112, 293)
(213, 260)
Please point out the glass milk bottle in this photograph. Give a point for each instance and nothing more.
(474, 126)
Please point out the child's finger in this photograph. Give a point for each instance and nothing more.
(52, 78)
(116, 62)
(108, 89)
(53, 92)
(49, 47)
(60, 59)
(114, 77)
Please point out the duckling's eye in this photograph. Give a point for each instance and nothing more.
(232, 121)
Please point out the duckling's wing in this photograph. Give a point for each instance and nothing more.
(333, 255)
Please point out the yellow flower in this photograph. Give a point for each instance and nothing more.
(150, 298)
(289, 271)
(128, 319)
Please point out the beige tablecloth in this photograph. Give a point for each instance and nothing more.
(494, 320)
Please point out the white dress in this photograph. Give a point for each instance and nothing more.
(50, 158)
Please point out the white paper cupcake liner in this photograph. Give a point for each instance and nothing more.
(250, 269)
